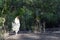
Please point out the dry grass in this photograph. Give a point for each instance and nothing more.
(1, 35)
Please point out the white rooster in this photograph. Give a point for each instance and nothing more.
(16, 25)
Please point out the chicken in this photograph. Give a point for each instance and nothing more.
(16, 25)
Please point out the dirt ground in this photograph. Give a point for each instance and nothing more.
(55, 35)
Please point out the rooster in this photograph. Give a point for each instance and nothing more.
(16, 25)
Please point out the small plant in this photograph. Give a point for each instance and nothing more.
(2, 20)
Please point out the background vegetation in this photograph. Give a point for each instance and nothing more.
(34, 14)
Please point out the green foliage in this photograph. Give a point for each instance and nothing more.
(2, 20)
(29, 10)
(1, 3)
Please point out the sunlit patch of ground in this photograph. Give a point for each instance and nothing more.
(22, 36)
(56, 32)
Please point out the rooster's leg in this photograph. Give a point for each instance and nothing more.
(16, 32)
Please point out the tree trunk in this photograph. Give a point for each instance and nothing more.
(43, 26)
